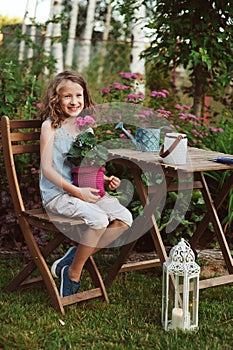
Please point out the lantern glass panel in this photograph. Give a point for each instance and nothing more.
(180, 309)
(180, 289)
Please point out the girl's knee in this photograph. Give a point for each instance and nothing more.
(101, 222)
(128, 219)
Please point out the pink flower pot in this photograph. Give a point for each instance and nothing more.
(89, 176)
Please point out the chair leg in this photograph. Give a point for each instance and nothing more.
(41, 265)
(39, 262)
(124, 254)
(96, 277)
(46, 277)
(50, 285)
(17, 280)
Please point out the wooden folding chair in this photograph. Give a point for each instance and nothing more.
(20, 137)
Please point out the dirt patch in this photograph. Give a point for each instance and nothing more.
(212, 263)
(210, 260)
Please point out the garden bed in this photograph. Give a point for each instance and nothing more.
(210, 260)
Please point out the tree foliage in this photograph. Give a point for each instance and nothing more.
(198, 36)
(195, 34)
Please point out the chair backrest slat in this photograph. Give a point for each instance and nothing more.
(18, 137)
(21, 149)
(25, 136)
(21, 124)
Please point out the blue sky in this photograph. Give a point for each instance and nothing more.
(16, 8)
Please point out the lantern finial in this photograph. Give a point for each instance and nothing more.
(182, 258)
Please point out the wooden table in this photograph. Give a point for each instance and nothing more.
(175, 178)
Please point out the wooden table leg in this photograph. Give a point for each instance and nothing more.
(157, 197)
(137, 228)
(213, 216)
(217, 203)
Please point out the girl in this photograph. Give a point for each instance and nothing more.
(67, 96)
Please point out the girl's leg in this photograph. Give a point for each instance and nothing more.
(91, 240)
(84, 251)
(108, 235)
(114, 230)
(70, 275)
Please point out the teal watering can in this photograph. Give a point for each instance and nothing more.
(147, 139)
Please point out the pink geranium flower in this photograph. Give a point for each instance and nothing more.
(88, 119)
(80, 121)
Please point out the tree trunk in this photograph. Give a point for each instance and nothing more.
(198, 91)
(104, 42)
(22, 42)
(137, 64)
(32, 34)
(72, 34)
(48, 35)
(32, 37)
(85, 45)
(57, 45)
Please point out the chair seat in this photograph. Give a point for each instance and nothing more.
(41, 215)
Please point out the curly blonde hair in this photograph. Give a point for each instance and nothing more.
(51, 106)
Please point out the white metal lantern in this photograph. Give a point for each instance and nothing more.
(180, 294)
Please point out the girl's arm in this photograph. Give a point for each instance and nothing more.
(46, 156)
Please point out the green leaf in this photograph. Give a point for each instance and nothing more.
(85, 148)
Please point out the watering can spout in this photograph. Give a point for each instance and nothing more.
(120, 125)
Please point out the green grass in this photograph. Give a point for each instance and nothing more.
(130, 321)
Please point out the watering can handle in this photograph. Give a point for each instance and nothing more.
(171, 148)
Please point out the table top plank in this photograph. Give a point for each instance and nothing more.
(198, 160)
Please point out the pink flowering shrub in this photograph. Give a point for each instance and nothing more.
(162, 104)
(199, 133)
(125, 91)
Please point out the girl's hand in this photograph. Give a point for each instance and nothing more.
(113, 182)
(88, 194)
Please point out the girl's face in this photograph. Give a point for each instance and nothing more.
(71, 98)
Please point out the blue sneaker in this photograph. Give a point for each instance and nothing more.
(65, 260)
(68, 287)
